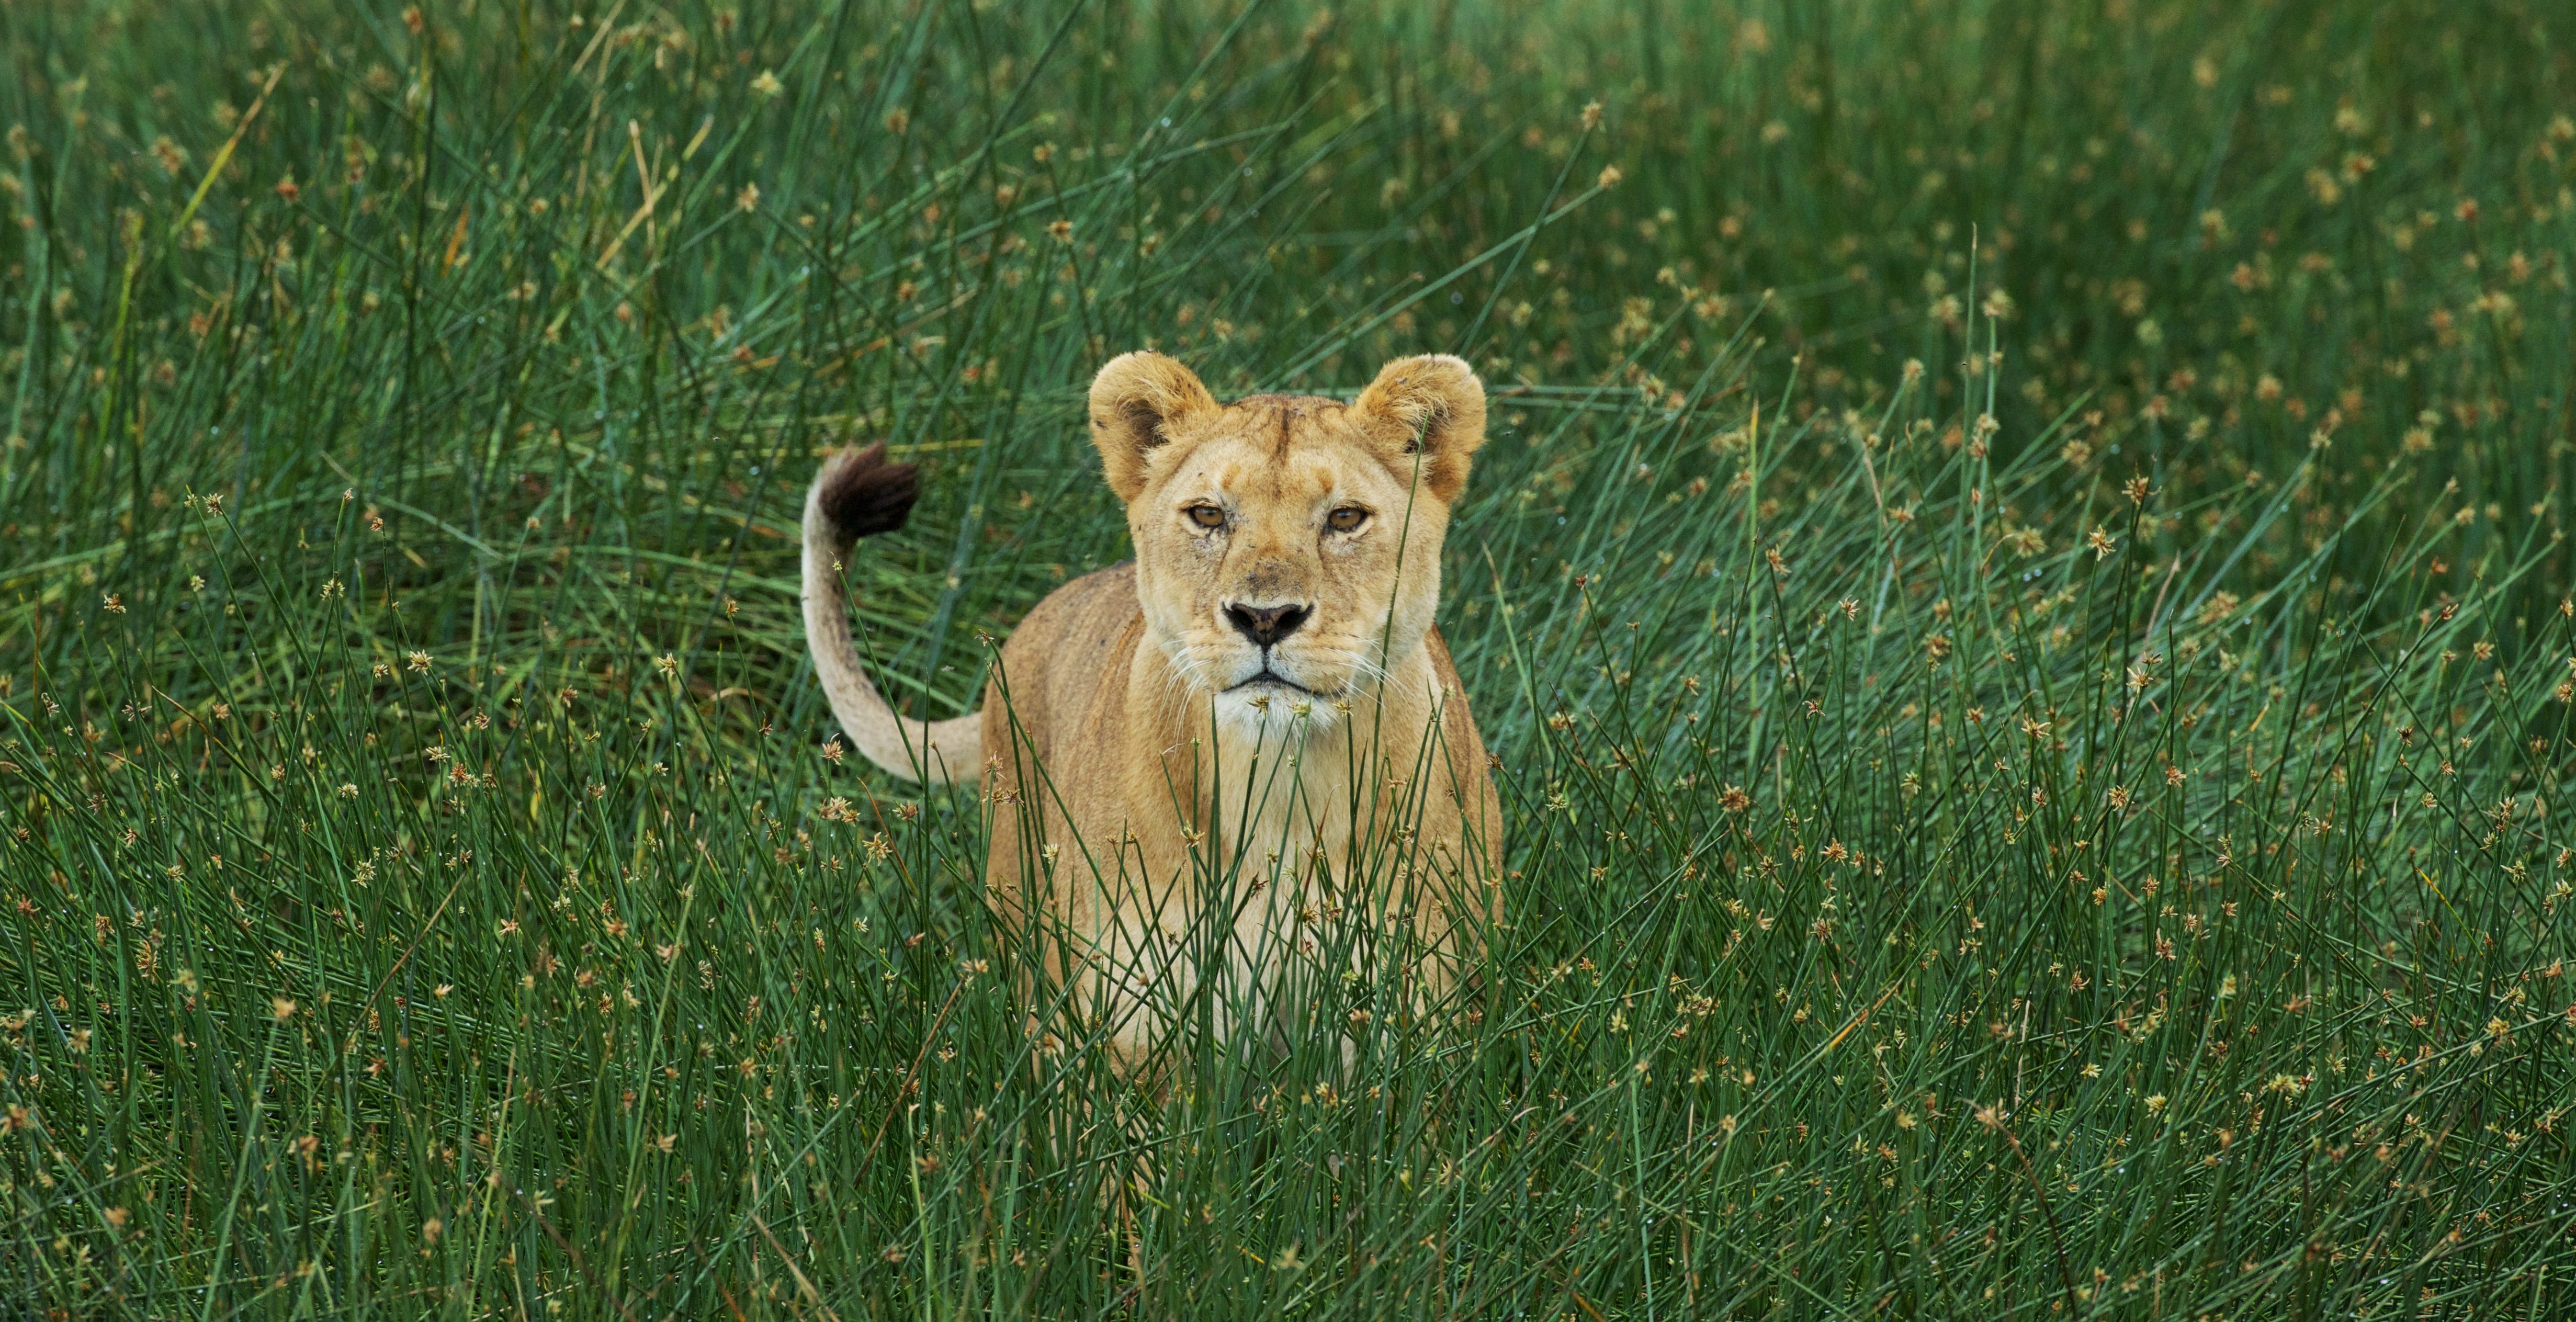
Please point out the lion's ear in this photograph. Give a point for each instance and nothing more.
(1433, 407)
(1135, 401)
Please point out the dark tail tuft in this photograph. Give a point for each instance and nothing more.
(862, 493)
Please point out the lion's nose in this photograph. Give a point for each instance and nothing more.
(1267, 625)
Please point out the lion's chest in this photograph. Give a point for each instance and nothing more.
(1286, 839)
(1287, 810)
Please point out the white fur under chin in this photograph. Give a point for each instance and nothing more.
(1273, 714)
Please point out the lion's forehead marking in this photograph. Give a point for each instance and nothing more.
(1277, 422)
(1309, 470)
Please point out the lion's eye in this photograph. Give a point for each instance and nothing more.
(1207, 516)
(1345, 519)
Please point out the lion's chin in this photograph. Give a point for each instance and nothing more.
(1272, 705)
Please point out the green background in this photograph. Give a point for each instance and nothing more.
(2087, 475)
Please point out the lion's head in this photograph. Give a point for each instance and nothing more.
(1287, 547)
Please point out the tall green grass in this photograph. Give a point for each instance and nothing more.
(2018, 586)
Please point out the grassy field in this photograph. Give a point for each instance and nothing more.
(2018, 585)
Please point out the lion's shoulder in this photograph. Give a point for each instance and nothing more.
(1103, 597)
(1081, 633)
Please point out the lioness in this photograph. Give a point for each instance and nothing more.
(1246, 751)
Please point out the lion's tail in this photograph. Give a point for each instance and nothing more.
(857, 493)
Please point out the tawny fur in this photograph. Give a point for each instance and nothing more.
(1165, 815)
